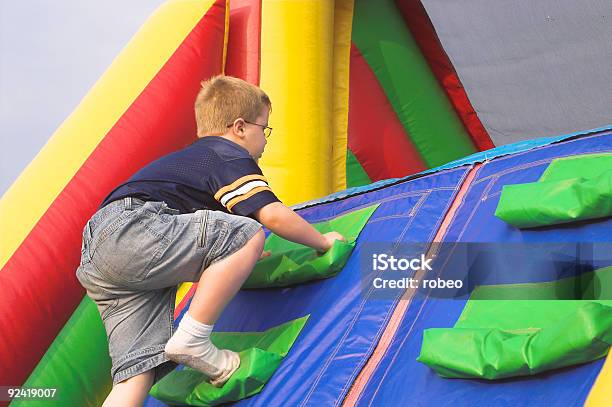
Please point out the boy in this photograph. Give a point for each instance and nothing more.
(187, 216)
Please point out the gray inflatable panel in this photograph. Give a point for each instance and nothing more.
(530, 68)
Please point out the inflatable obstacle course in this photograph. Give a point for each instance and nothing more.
(342, 117)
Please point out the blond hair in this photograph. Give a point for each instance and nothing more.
(224, 99)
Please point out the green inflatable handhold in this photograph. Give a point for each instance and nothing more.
(557, 199)
(523, 329)
(260, 355)
(291, 263)
(578, 166)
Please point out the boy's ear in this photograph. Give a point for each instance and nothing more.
(239, 127)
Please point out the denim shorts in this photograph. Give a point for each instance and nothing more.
(134, 254)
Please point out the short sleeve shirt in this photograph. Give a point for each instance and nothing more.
(212, 173)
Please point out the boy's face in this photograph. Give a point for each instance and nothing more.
(253, 137)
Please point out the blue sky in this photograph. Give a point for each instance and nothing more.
(51, 54)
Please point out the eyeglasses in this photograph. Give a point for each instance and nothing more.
(267, 130)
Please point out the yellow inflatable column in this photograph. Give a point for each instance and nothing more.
(296, 72)
(343, 22)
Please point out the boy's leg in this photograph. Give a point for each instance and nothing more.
(130, 392)
(222, 280)
(133, 256)
(190, 344)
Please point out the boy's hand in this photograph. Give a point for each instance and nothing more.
(264, 254)
(330, 238)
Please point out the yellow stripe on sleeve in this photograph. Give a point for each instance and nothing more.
(246, 196)
(237, 183)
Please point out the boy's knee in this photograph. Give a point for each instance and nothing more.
(260, 239)
(255, 244)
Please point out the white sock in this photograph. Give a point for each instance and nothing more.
(191, 346)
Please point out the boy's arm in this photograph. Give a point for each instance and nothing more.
(241, 188)
(289, 225)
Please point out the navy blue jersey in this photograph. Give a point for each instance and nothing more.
(212, 173)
